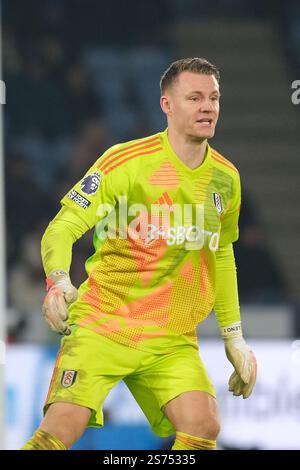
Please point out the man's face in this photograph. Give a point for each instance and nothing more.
(192, 105)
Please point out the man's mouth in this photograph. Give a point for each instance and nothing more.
(207, 121)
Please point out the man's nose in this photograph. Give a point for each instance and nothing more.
(206, 106)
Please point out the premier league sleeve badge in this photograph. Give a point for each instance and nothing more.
(90, 184)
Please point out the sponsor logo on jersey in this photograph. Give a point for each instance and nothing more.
(193, 237)
(68, 378)
(90, 183)
(80, 200)
(218, 202)
(177, 224)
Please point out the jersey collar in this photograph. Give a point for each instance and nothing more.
(179, 163)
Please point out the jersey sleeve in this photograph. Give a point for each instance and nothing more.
(98, 192)
(229, 220)
(58, 239)
(227, 309)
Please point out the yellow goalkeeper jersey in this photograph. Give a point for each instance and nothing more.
(158, 225)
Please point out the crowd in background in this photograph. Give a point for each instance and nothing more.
(80, 77)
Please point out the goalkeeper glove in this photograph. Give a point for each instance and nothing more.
(61, 293)
(243, 379)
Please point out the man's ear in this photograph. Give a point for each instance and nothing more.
(165, 105)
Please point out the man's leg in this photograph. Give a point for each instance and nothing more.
(195, 417)
(61, 427)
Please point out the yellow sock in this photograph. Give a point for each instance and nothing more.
(187, 442)
(42, 440)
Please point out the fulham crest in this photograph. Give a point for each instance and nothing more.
(218, 202)
(68, 378)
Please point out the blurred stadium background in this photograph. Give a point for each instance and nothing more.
(83, 75)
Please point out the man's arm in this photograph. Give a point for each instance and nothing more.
(227, 307)
(82, 208)
(57, 243)
(227, 312)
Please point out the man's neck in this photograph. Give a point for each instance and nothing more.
(190, 152)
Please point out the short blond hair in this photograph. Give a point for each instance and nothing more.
(195, 65)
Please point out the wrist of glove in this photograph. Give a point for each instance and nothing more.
(238, 352)
(61, 293)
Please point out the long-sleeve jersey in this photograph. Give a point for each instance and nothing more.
(163, 236)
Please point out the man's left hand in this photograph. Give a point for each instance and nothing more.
(238, 352)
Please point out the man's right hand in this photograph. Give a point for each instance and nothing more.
(61, 293)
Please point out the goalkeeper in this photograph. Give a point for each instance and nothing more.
(149, 284)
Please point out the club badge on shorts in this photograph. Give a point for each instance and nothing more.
(68, 378)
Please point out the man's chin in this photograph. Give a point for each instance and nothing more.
(197, 137)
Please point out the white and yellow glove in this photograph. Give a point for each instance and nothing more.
(238, 352)
(61, 293)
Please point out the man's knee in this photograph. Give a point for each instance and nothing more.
(206, 426)
(209, 428)
(195, 413)
(66, 421)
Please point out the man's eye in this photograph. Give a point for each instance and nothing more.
(194, 98)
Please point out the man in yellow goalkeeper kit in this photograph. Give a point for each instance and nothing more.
(165, 213)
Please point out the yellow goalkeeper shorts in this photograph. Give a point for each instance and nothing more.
(88, 366)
